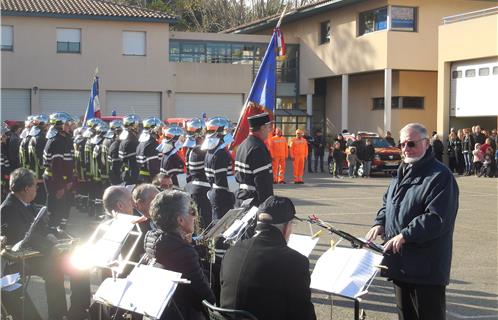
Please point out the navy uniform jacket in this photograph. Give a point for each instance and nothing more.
(114, 161)
(79, 154)
(265, 277)
(218, 166)
(253, 170)
(36, 146)
(422, 205)
(58, 162)
(148, 158)
(172, 165)
(128, 156)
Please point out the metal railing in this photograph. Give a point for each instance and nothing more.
(470, 15)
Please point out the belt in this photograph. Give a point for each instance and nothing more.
(215, 186)
(247, 187)
(49, 174)
(201, 183)
(144, 173)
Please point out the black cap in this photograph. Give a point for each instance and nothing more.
(276, 210)
(259, 119)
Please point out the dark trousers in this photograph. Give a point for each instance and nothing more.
(221, 202)
(41, 195)
(310, 159)
(199, 195)
(58, 208)
(319, 160)
(420, 302)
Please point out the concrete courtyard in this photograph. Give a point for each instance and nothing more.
(351, 205)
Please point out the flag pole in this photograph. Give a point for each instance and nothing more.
(281, 16)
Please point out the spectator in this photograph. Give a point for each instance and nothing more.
(369, 157)
(478, 136)
(342, 142)
(478, 157)
(496, 163)
(488, 164)
(467, 148)
(319, 149)
(311, 141)
(455, 154)
(352, 161)
(359, 144)
(486, 145)
(437, 147)
(390, 139)
(336, 160)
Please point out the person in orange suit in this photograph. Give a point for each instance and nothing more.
(279, 152)
(298, 153)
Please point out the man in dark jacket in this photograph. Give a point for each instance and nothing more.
(417, 219)
(437, 147)
(262, 275)
(319, 149)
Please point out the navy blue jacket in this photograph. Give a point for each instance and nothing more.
(422, 205)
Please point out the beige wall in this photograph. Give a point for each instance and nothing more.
(34, 61)
(464, 40)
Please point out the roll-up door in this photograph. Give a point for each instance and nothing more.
(145, 104)
(189, 105)
(73, 102)
(16, 104)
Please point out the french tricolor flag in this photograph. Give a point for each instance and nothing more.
(280, 44)
(93, 107)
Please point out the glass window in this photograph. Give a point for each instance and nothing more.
(373, 20)
(325, 32)
(403, 18)
(218, 52)
(456, 74)
(483, 72)
(193, 52)
(174, 51)
(470, 73)
(495, 70)
(413, 102)
(7, 38)
(68, 40)
(378, 103)
(134, 43)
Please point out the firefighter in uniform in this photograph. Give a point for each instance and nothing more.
(58, 162)
(36, 145)
(218, 166)
(128, 149)
(113, 161)
(4, 162)
(109, 139)
(148, 159)
(98, 162)
(195, 170)
(298, 153)
(89, 165)
(81, 187)
(171, 162)
(279, 151)
(253, 165)
(23, 146)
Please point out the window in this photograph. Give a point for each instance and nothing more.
(483, 72)
(7, 38)
(218, 52)
(68, 40)
(373, 20)
(174, 51)
(456, 74)
(134, 43)
(193, 52)
(403, 18)
(495, 70)
(378, 103)
(400, 103)
(470, 73)
(412, 102)
(325, 32)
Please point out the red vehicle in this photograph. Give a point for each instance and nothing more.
(181, 122)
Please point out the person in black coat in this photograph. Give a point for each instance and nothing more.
(262, 275)
(437, 147)
(173, 213)
(319, 149)
(359, 143)
(417, 220)
(17, 215)
(455, 154)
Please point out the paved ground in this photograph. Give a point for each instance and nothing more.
(351, 204)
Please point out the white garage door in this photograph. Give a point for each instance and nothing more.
(474, 88)
(145, 104)
(16, 104)
(73, 102)
(189, 105)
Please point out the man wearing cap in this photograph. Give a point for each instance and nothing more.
(262, 275)
(253, 167)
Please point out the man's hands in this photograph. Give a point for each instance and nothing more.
(377, 230)
(60, 193)
(395, 244)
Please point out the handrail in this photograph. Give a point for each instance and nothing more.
(470, 15)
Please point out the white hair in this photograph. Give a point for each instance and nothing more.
(418, 127)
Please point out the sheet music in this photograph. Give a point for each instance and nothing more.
(239, 224)
(302, 244)
(10, 280)
(147, 290)
(233, 185)
(345, 271)
(182, 180)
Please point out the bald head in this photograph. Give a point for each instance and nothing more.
(118, 199)
(142, 197)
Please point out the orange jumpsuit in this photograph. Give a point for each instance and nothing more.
(299, 153)
(279, 153)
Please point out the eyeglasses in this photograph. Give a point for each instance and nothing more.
(410, 144)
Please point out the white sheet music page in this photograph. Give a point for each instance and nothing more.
(302, 244)
(345, 271)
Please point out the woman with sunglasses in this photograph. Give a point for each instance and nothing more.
(173, 212)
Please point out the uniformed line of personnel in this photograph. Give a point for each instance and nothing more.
(80, 162)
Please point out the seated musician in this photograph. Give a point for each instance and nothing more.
(173, 213)
(262, 275)
(17, 215)
(117, 199)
